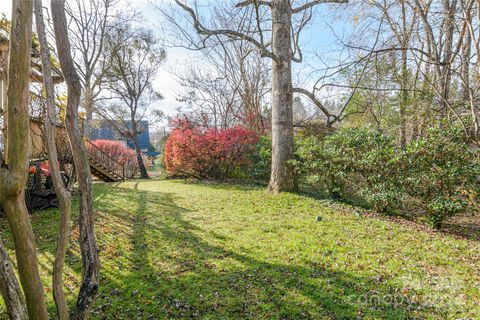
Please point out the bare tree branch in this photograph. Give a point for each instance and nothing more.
(264, 52)
(312, 4)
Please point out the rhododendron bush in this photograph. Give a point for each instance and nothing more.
(212, 153)
(121, 154)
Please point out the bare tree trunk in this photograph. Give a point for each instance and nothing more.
(88, 245)
(282, 177)
(3, 98)
(450, 8)
(466, 51)
(27, 262)
(10, 288)
(13, 173)
(404, 100)
(88, 106)
(141, 165)
(404, 74)
(61, 191)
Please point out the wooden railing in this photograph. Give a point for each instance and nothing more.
(106, 161)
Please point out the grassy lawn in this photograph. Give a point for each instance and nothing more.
(176, 250)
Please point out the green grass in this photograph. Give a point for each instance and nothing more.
(176, 250)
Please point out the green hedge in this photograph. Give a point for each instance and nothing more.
(261, 159)
(433, 177)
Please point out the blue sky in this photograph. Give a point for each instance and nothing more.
(318, 37)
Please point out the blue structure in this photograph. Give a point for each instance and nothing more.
(104, 130)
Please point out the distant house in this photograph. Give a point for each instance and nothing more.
(105, 130)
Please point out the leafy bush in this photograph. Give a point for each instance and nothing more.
(440, 169)
(120, 153)
(430, 177)
(346, 159)
(261, 159)
(195, 152)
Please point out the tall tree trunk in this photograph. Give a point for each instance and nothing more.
(3, 98)
(61, 191)
(450, 8)
(13, 173)
(88, 106)
(404, 38)
(141, 164)
(10, 288)
(404, 100)
(282, 177)
(88, 245)
(466, 51)
(138, 151)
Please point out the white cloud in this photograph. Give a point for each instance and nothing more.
(166, 82)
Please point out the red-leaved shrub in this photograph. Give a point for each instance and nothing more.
(121, 154)
(207, 153)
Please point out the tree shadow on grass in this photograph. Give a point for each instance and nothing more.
(175, 269)
(466, 225)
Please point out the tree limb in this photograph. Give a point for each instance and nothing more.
(314, 3)
(255, 2)
(264, 52)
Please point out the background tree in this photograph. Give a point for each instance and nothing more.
(90, 22)
(299, 111)
(134, 56)
(230, 87)
(419, 65)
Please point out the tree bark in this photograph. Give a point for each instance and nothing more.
(88, 106)
(88, 245)
(61, 191)
(282, 177)
(404, 100)
(404, 39)
(3, 98)
(10, 288)
(13, 173)
(466, 52)
(141, 165)
(450, 9)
